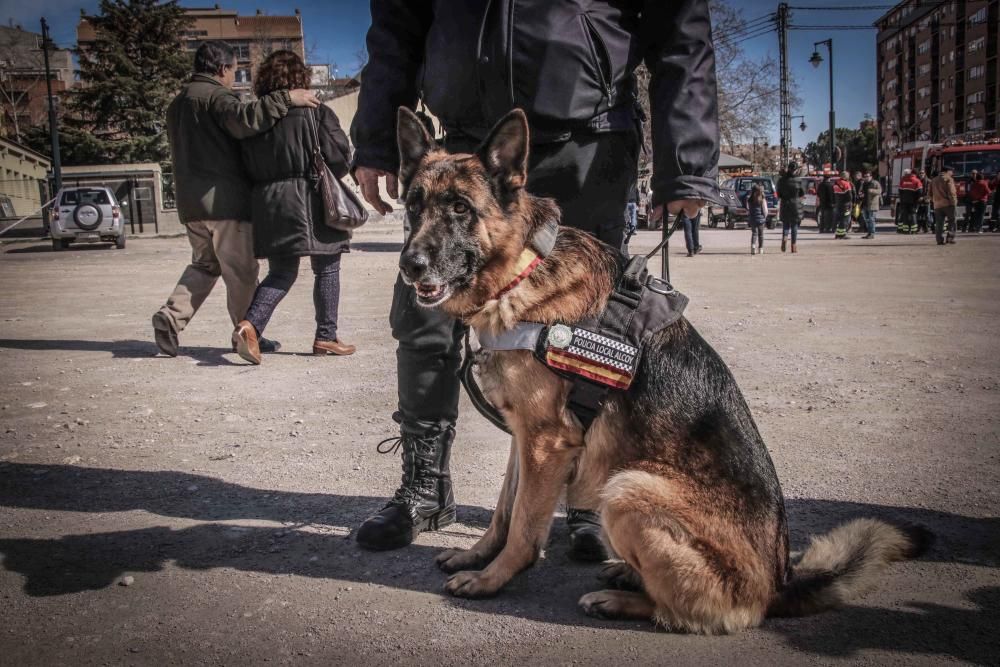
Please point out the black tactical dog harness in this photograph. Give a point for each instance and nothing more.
(597, 354)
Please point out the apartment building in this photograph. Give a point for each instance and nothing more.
(253, 37)
(938, 77)
(23, 93)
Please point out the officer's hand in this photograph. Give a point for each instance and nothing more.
(303, 98)
(689, 206)
(367, 178)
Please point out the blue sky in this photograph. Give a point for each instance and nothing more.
(335, 30)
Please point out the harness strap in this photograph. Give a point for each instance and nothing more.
(587, 398)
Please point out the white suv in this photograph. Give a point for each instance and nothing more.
(88, 214)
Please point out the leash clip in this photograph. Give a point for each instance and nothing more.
(658, 285)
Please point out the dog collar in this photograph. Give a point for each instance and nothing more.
(541, 244)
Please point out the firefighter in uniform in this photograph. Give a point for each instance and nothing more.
(843, 202)
(910, 192)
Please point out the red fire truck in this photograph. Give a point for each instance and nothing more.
(963, 158)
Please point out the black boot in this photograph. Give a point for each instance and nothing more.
(585, 543)
(424, 500)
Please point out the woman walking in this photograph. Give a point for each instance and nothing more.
(756, 216)
(287, 210)
(790, 196)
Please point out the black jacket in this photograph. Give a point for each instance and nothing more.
(790, 196)
(286, 209)
(568, 63)
(204, 123)
(825, 195)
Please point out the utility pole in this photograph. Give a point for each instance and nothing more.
(786, 113)
(53, 127)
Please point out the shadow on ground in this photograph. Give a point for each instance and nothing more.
(121, 349)
(75, 563)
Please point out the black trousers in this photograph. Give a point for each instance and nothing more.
(590, 177)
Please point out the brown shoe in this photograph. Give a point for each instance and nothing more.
(325, 347)
(246, 343)
(794, 248)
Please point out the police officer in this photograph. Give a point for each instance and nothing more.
(571, 70)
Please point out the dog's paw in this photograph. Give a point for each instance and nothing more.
(619, 574)
(614, 605)
(456, 560)
(471, 585)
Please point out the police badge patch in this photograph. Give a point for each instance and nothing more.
(591, 355)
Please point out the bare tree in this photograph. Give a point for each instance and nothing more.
(360, 59)
(17, 78)
(748, 88)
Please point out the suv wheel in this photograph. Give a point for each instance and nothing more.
(60, 244)
(88, 217)
(120, 241)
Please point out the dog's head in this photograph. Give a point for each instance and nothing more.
(459, 207)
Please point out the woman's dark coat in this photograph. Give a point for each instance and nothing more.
(287, 213)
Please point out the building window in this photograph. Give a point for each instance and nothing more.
(975, 97)
(976, 44)
(243, 75)
(924, 46)
(978, 17)
(925, 69)
(977, 72)
(242, 50)
(975, 123)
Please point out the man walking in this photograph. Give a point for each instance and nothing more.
(945, 200)
(204, 123)
(871, 200)
(572, 74)
(910, 191)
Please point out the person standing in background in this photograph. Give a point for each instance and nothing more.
(843, 202)
(790, 196)
(692, 228)
(945, 200)
(910, 190)
(756, 206)
(979, 194)
(871, 201)
(825, 197)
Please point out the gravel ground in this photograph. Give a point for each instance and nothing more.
(198, 510)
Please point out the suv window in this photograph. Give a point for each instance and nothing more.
(74, 197)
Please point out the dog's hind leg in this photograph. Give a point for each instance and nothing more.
(698, 573)
(490, 544)
(543, 467)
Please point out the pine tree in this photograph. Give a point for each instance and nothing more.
(130, 72)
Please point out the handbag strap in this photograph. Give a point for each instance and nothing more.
(314, 131)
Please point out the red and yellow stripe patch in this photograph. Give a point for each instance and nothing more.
(588, 368)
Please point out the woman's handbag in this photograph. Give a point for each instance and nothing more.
(342, 209)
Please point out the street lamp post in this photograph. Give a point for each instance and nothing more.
(753, 152)
(53, 127)
(802, 125)
(816, 59)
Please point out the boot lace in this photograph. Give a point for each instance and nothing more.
(418, 461)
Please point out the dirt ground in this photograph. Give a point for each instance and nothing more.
(197, 510)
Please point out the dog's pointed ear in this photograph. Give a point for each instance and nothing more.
(505, 151)
(414, 143)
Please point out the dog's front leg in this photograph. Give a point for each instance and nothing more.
(544, 461)
(490, 544)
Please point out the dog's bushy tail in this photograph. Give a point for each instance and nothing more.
(845, 563)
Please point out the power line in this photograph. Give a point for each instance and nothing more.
(740, 40)
(745, 28)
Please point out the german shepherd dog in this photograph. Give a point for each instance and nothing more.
(689, 499)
